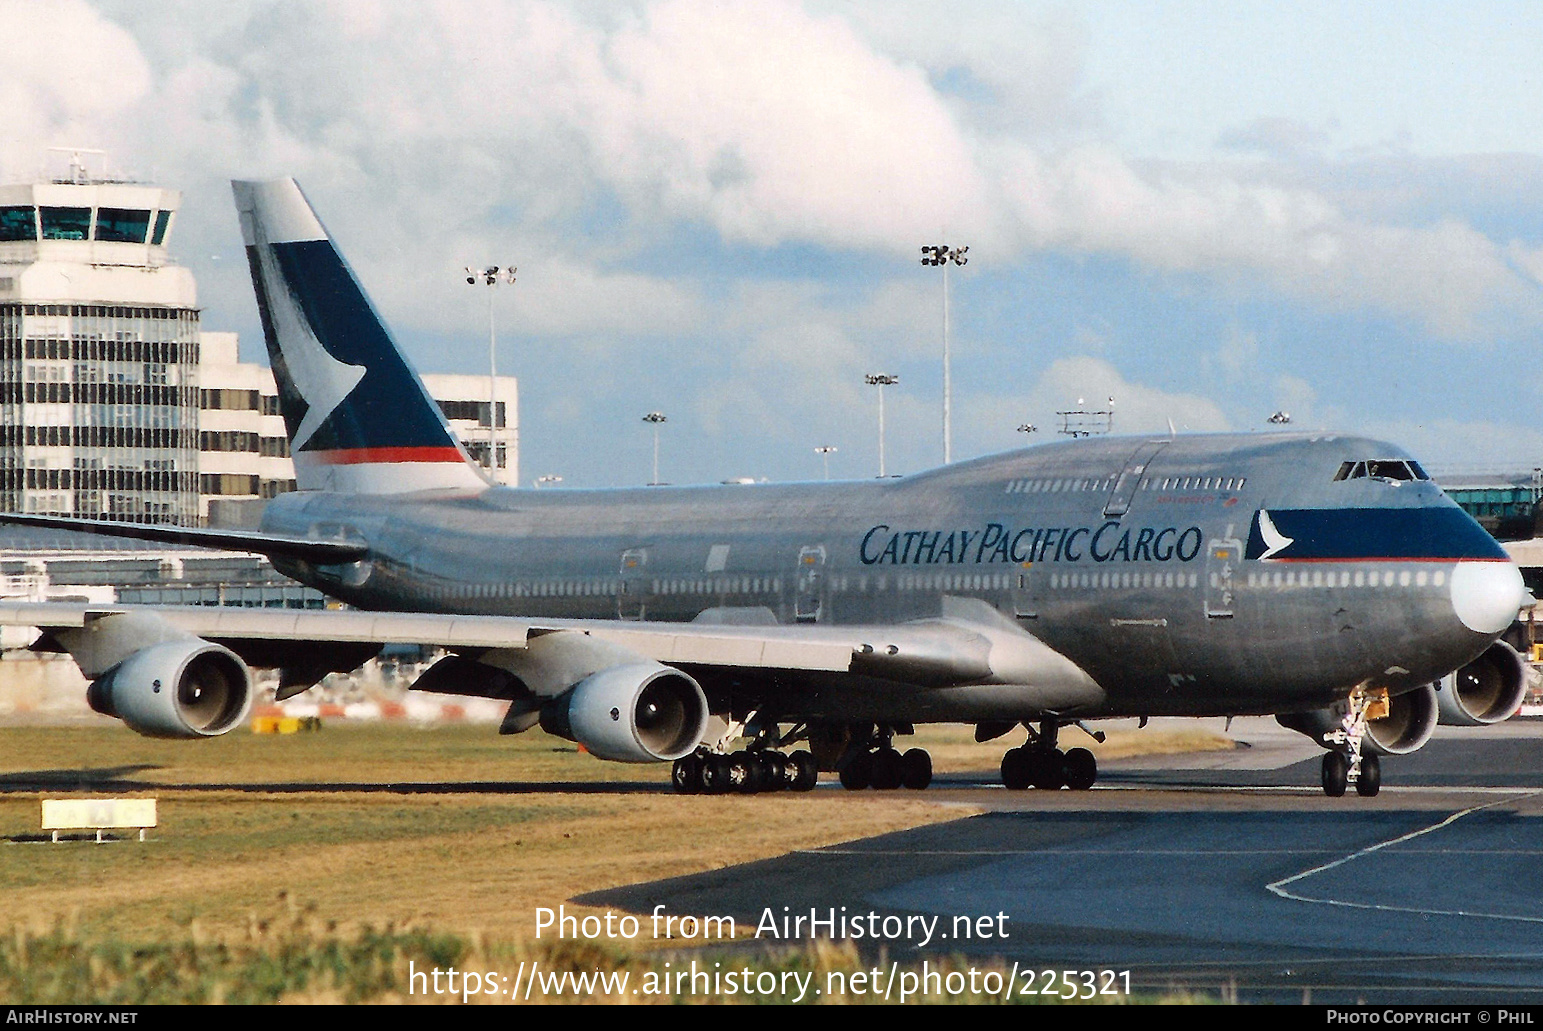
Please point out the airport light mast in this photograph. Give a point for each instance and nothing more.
(655, 419)
(492, 275)
(881, 380)
(944, 255)
(825, 451)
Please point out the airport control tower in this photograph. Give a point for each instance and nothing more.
(98, 352)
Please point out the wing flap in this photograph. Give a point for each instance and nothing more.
(750, 647)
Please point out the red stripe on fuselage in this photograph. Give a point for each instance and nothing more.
(1383, 558)
(384, 455)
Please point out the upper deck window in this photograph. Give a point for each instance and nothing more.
(1381, 469)
(18, 223)
(66, 223)
(122, 225)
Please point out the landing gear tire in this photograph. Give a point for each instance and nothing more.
(1015, 769)
(1336, 773)
(857, 774)
(916, 769)
(686, 775)
(744, 773)
(1079, 769)
(715, 775)
(1370, 781)
(1046, 769)
(803, 773)
(773, 770)
(887, 772)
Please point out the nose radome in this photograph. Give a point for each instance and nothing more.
(1487, 595)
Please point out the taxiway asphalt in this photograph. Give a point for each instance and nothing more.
(1223, 872)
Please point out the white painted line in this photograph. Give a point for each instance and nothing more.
(1279, 887)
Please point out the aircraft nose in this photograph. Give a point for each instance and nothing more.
(1487, 595)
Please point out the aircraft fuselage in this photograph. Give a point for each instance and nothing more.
(1198, 575)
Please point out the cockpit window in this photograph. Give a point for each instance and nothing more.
(1381, 469)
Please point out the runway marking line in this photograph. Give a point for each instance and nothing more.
(1278, 888)
(1149, 852)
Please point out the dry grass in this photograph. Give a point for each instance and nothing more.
(535, 824)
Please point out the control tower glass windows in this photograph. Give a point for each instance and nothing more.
(162, 220)
(18, 223)
(122, 225)
(66, 223)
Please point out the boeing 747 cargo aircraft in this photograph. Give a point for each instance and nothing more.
(1321, 578)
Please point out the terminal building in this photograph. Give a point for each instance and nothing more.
(1506, 506)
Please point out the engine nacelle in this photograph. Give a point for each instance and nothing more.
(1410, 722)
(1487, 690)
(636, 713)
(186, 688)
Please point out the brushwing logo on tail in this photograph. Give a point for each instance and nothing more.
(320, 379)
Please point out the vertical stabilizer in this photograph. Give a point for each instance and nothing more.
(358, 417)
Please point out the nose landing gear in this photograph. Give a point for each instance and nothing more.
(1346, 763)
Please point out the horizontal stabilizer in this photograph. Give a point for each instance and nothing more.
(320, 552)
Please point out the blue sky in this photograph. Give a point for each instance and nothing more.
(1210, 211)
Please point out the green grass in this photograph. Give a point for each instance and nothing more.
(294, 957)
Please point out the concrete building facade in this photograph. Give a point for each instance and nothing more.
(99, 328)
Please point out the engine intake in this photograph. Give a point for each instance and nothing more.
(1487, 690)
(179, 689)
(638, 712)
(1410, 722)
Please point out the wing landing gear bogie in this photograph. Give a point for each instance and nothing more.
(745, 772)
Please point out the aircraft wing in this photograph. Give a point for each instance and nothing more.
(771, 647)
(627, 690)
(970, 643)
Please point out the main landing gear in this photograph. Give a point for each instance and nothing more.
(743, 772)
(1038, 762)
(885, 769)
(1346, 763)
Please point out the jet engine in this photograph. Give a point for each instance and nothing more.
(638, 712)
(1487, 690)
(184, 688)
(1410, 722)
